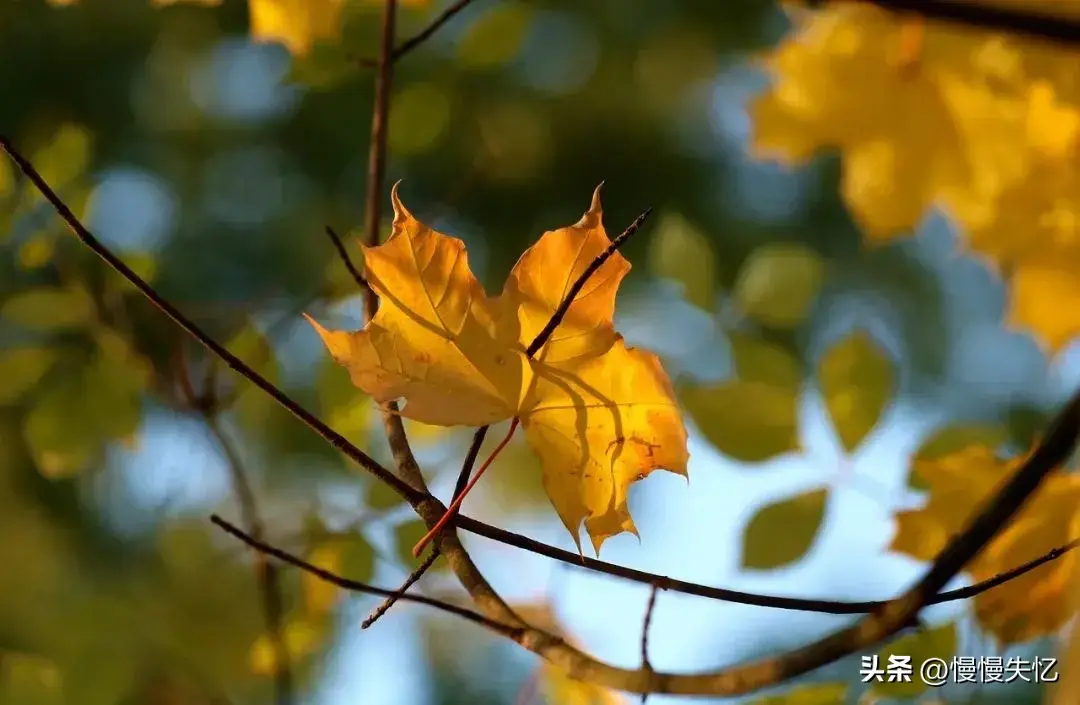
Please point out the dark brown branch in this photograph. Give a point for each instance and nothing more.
(361, 587)
(1055, 28)
(797, 604)
(409, 582)
(344, 254)
(236, 364)
(646, 623)
(423, 35)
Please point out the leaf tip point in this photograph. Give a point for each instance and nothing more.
(401, 213)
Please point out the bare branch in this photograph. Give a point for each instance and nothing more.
(423, 35)
(361, 587)
(646, 623)
(236, 364)
(1056, 28)
(409, 582)
(344, 254)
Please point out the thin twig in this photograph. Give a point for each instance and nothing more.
(1056, 28)
(409, 582)
(340, 247)
(265, 572)
(236, 364)
(423, 35)
(361, 587)
(462, 481)
(646, 623)
(575, 288)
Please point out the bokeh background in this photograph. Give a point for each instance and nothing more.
(212, 164)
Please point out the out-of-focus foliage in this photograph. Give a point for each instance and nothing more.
(931, 114)
(1034, 604)
(208, 143)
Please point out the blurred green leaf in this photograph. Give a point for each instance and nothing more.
(21, 369)
(759, 361)
(406, 535)
(748, 421)
(810, 694)
(857, 380)
(60, 430)
(496, 36)
(951, 439)
(778, 284)
(342, 405)
(65, 157)
(419, 117)
(324, 66)
(29, 680)
(253, 407)
(679, 251)
(782, 532)
(48, 308)
(919, 646)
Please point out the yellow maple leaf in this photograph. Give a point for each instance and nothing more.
(297, 24)
(599, 414)
(1034, 604)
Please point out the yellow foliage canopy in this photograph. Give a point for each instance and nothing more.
(983, 124)
(1034, 604)
(599, 414)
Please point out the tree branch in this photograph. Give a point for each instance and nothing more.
(423, 35)
(236, 364)
(361, 587)
(1054, 28)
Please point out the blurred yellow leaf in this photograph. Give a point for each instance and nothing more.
(779, 283)
(950, 439)
(297, 24)
(810, 694)
(348, 555)
(27, 679)
(302, 639)
(915, 648)
(782, 532)
(49, 308)
(62, 159)
(681, 252)
(21, 369)
(1036, 299)
(857, 381)
(1032, 605)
